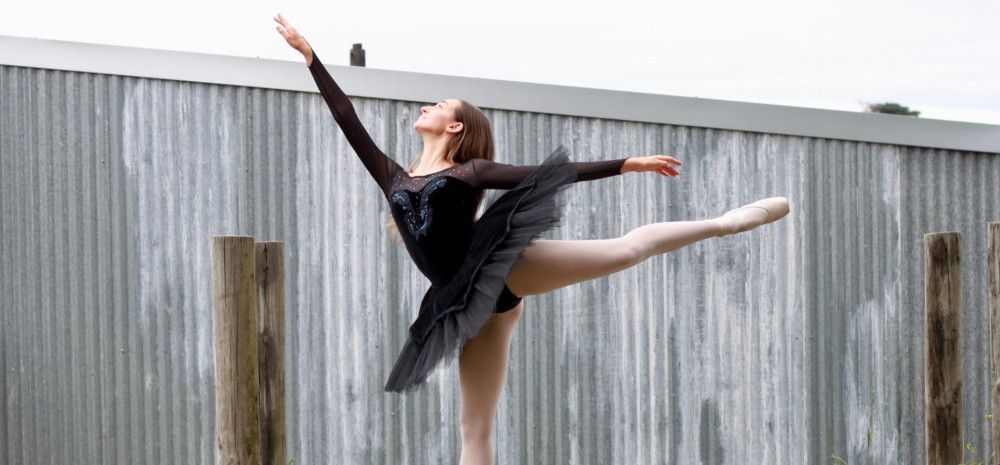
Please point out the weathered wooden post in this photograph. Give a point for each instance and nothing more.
(943, 347)
(993, 287)
(237, 398)
(271, 350)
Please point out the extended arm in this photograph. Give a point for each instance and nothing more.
(379, 165)
(494, 175)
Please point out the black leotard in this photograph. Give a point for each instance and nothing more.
(434, 212)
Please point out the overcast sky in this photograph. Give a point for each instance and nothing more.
(941, 58)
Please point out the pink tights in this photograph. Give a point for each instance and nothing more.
(546, 265)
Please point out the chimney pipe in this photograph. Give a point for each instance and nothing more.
(357, 56)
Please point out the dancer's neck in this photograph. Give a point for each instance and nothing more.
(434, 156)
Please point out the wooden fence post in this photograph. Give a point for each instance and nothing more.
(943, 347)
(271, 350)
(237, 399)
(993, 287)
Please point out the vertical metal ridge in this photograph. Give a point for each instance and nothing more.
(6, 277)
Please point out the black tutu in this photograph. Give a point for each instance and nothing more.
(453, 313)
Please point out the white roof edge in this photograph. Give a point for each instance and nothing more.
(500, 94)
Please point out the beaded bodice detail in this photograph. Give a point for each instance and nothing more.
(434, 215)
(415, 183)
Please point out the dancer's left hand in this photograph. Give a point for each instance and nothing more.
(662, 164)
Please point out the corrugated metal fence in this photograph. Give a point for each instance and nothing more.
(788, 344)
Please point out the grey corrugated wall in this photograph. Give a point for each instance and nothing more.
(787, 344)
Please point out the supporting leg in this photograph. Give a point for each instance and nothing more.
(482, 366)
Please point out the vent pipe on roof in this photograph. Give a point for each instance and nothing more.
(357, 55)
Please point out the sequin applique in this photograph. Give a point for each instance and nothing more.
(418, 218)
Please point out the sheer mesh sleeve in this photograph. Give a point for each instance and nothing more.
(381, 167)
(492, 175)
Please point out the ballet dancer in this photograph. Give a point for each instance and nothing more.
(480, 269)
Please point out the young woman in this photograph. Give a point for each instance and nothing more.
(480, 269)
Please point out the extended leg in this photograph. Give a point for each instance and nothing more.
(546, 265)
(482, 367)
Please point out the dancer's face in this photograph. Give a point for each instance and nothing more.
(439, 118)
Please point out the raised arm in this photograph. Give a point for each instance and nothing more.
(379, 165)
(492, 175)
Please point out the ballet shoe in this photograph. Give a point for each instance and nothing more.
(752, 215)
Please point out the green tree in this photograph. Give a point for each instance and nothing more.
(892, 108)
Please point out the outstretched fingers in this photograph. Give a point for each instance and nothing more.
(667, 164)
(291, 35)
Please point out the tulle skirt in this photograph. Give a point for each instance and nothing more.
(453, 313)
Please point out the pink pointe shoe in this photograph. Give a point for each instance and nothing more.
(755, 214)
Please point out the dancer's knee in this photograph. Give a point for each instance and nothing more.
(476, 430)
(630, 253)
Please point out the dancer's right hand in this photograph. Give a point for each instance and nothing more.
(293, 37)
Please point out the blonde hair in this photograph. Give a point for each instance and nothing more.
(475, 141)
